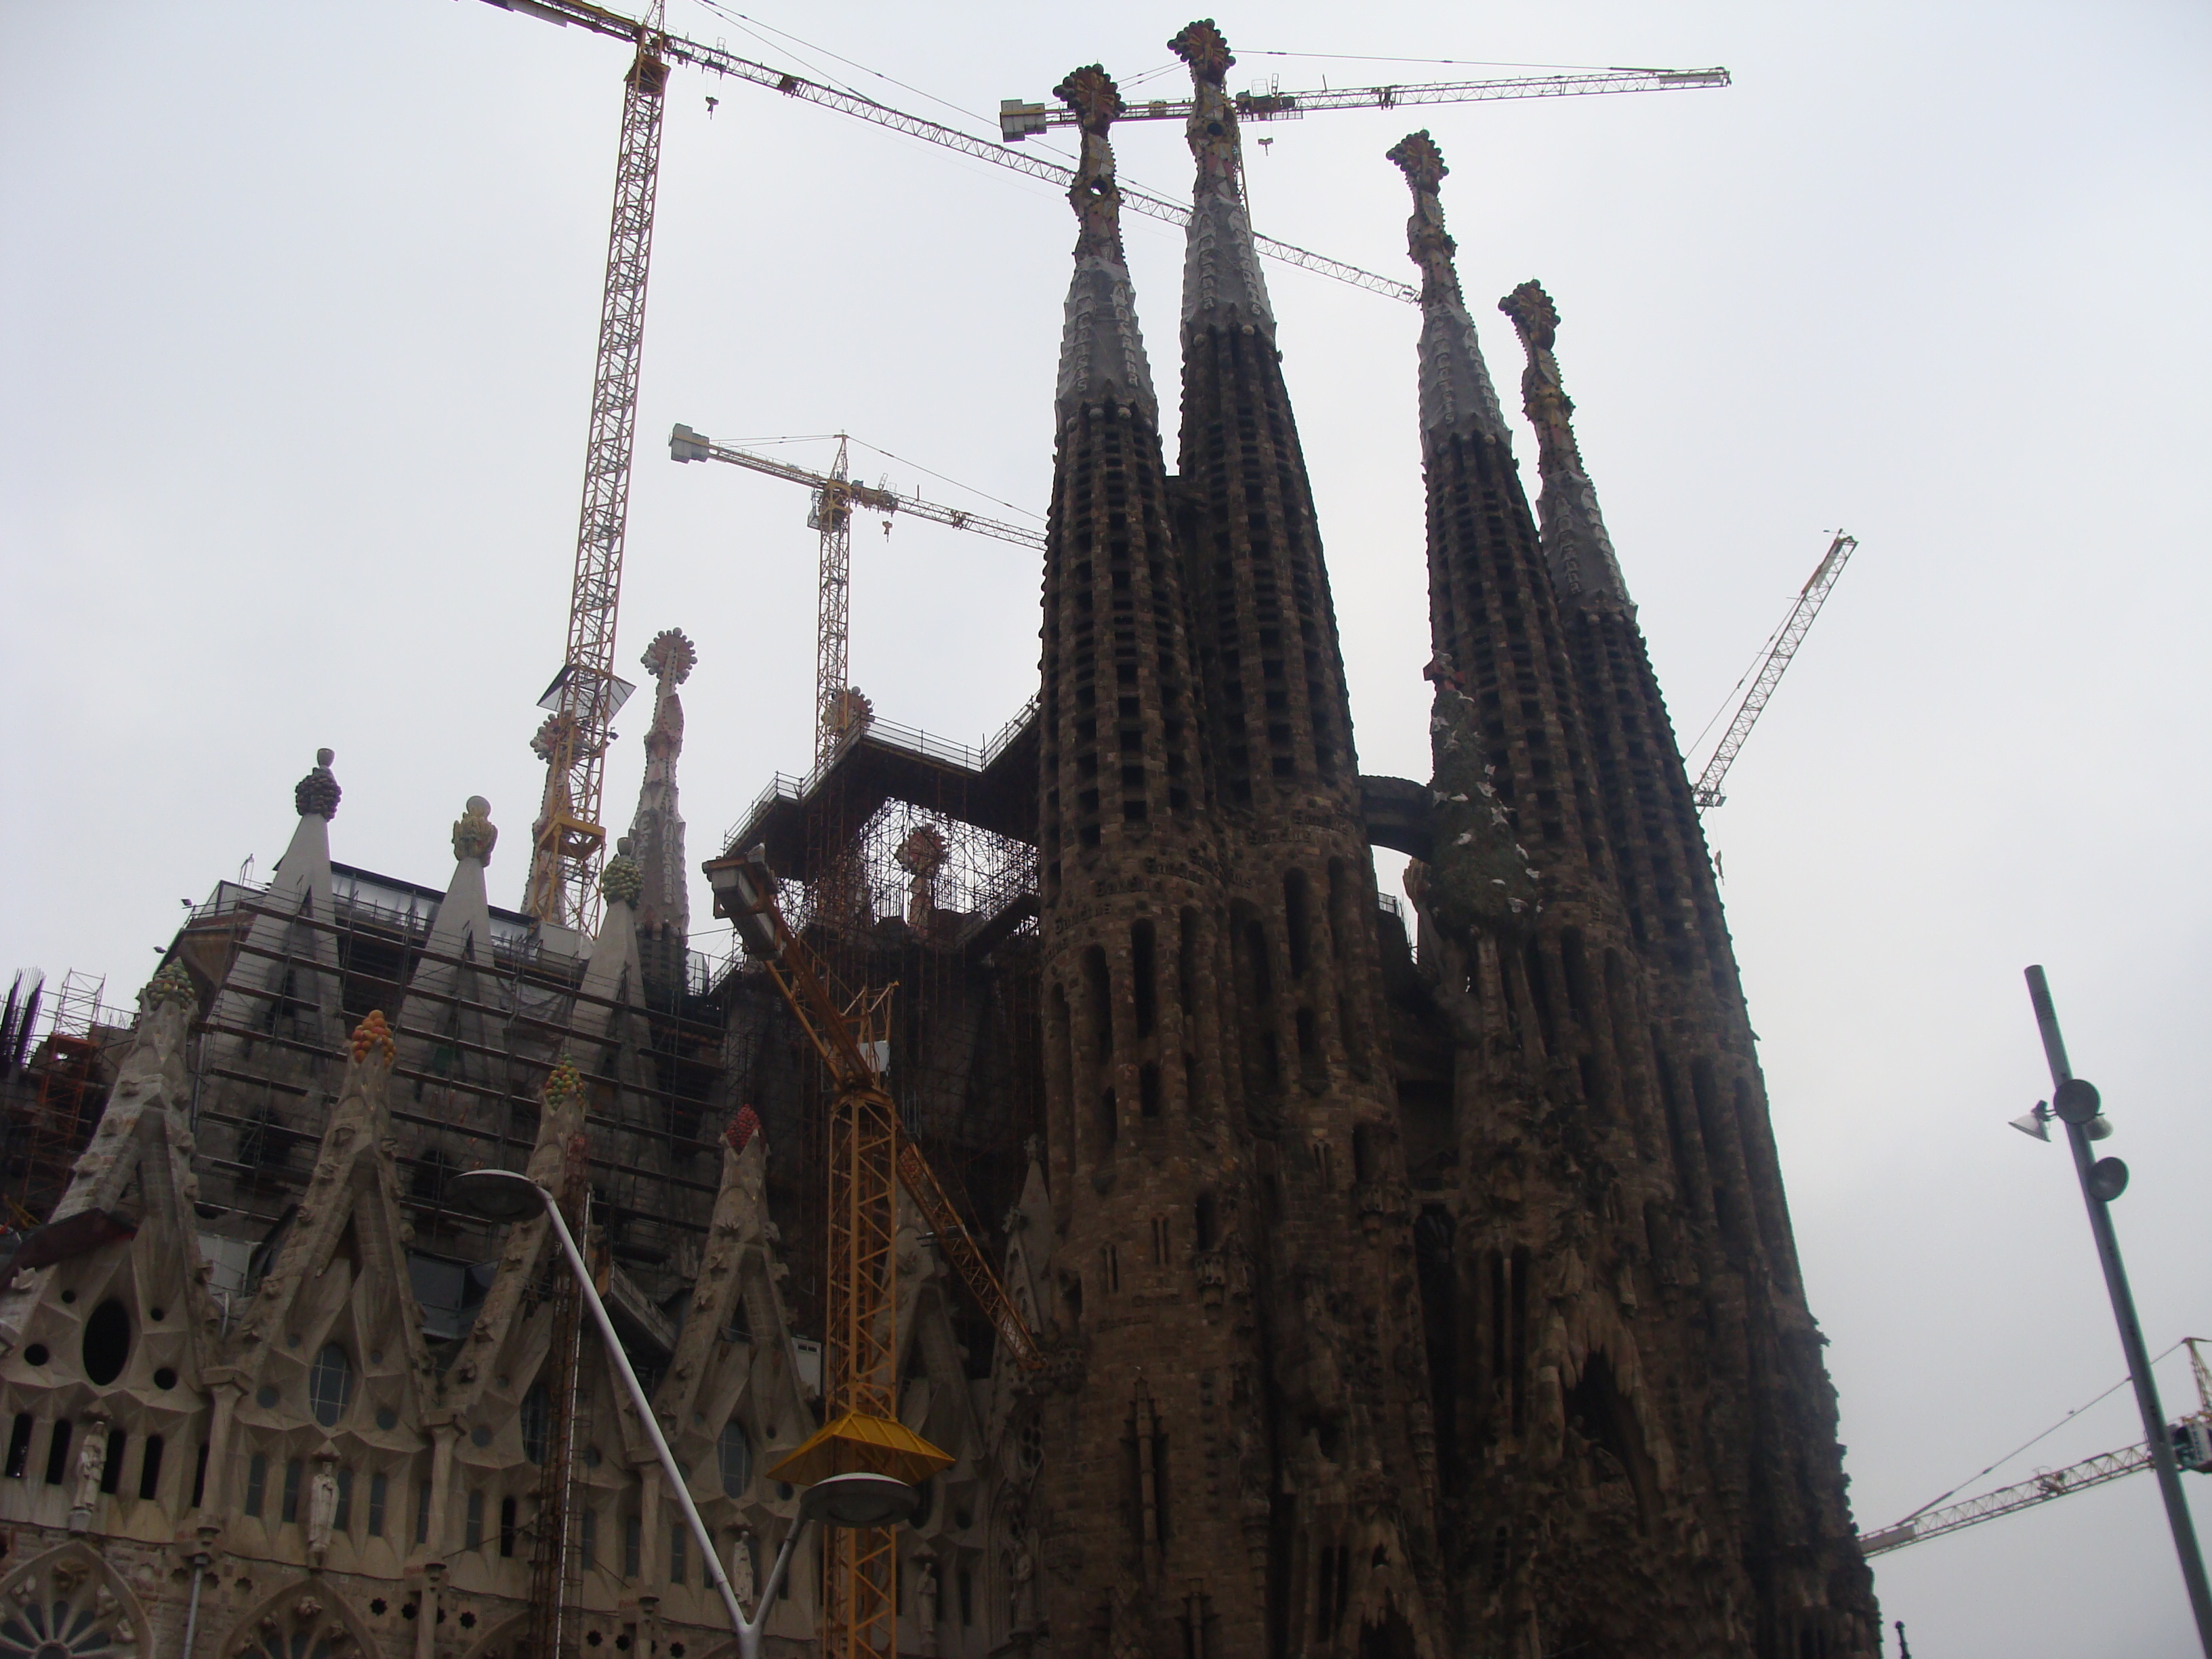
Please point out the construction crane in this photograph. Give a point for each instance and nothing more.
(585, 695)
(583, 699)
(836, 496)
(719, 61)
(867, 1152)
(1019, 121)
(2192, 1449)
(1780, 649)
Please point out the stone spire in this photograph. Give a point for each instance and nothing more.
(442, 1029)
(1131, 932)
(285, 980)
(1676, 1345)
(1493, 616)
(1576, 545)
(1221, 279)
(1102, 354)
(1278, 713)
(656, 833)
(1456, 395)
(1307, 1048)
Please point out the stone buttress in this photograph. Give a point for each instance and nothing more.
(1152, 1302)
(1342, 1395)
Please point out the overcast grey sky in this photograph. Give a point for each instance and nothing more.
(299, 301)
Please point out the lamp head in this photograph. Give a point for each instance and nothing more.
(496, 1195)
(2036, 1122)
(858, 1500)
(2075, 1100)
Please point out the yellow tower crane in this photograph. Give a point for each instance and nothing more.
(869, 1156)
(836, 496)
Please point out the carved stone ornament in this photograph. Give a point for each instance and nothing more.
(65, 1608)
(672, 656)
(318, 793)
(1420, 160)
(1090, 91)
(1534, 315)
(563, 1083)
(474, 833)
(1202, 46)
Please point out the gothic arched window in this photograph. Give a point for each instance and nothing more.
(736, 1455)
(330, 1384)
(106, 1342)
(536, 1422)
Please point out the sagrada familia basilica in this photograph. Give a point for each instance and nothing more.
(1415, 1280)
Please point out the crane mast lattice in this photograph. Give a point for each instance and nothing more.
(584, 695)
(836, 496)
(718, 61)
(1706, 792)
(2192, 1446)
(869, 1156)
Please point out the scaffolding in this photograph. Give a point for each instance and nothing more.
(556, 1563)
(908, 865)
(468, 1101)
(56, 1105)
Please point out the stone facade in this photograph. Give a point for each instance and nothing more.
(1402, 1297)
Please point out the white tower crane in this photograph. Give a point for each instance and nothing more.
(581, 701)
(836, 496)
(1780, 649)
(2192, 1449)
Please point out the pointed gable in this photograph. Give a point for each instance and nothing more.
(138, 1166)
(284, 980)
(439, 1029)
(340, 1277)
(735, 1369)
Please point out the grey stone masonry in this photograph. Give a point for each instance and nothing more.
(1154, 1518)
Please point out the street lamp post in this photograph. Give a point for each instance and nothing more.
(2075, 1103)
(840, 1500)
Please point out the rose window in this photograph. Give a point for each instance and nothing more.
(64, 1611)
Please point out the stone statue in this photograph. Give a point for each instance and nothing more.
(924, 1592)
(322, 1506)
(741, 1569)
(91, 1466)
(474, 834)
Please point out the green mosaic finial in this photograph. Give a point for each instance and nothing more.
(621, 881)
(172, 984)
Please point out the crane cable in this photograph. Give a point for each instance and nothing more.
(1731, 701)
(2024, 1445)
